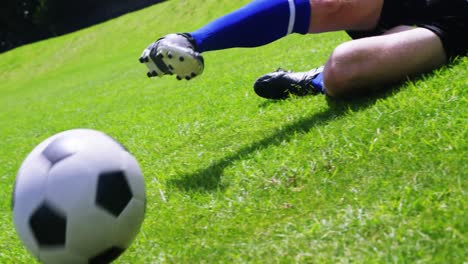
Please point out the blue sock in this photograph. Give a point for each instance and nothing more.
(317, 83)
(258, 23)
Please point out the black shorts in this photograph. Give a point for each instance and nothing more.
(446, 18)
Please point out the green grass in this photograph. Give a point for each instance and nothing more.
(235, 178)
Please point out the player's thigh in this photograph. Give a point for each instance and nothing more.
(373, 61)
(333, 15)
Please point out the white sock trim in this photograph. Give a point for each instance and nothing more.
(292, 16)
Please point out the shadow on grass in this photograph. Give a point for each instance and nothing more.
(208, 179)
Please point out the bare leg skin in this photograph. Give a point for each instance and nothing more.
(335, 15)
(367, 63)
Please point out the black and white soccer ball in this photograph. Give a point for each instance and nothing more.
(79, 197)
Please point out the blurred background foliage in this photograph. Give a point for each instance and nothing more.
(26, 21)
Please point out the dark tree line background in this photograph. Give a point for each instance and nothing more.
(26, 21)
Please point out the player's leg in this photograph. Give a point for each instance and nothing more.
(360, 65)
(258, 23)
(264, 21)
(372, 62)
(404, 51)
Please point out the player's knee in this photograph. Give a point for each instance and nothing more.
(342, 70)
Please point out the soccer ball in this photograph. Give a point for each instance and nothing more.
(79, 197)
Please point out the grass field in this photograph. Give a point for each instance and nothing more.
(234, 178)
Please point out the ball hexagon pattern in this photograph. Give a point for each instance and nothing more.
(48, 226)
(113, 192)
(79, 197)
(107, 255)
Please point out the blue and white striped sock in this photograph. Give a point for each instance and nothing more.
(258, 23)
